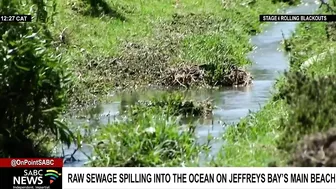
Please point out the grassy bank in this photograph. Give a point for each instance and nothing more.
(123, 45)
(252, 143)
(287, 130)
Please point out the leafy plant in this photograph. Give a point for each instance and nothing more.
(147, 138)
(34, 82)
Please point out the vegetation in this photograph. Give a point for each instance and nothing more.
(149, 137)
(111, 45)
(302, 110)
(315, 150)
(310, 102)
(157, 43)
(174, 104)
(253, 140)
(150, 133)
(34, 82)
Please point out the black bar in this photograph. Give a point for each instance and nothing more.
(297, 18)
(15, 18)
(11, 178)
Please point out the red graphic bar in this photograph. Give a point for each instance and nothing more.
(31, 162)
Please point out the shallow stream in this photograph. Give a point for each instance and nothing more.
(232, 104)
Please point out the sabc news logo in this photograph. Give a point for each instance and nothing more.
(53, 175)
(35, 177)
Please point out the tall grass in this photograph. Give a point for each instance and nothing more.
(147, 136)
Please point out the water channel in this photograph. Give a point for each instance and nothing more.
(232, 104)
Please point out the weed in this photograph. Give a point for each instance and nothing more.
(146, 138)
(174, 104)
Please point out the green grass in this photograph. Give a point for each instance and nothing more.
(148, 136)
(252, 143)
(135, 43)
(308, 43)
(302, 105)
(142, 19)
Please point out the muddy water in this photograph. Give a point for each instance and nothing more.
(231, 103)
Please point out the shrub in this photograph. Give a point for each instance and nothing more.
(311, 101)
(316, 150)
(32, 88)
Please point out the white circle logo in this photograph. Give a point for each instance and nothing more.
(13, 163)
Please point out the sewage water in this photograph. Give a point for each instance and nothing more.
(232, 104)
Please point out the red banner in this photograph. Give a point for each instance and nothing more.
(31, 162)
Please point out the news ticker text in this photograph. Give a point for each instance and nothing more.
(200, 178)
(49, 173)
(297, 18)
(210, 178)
